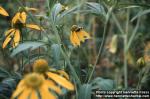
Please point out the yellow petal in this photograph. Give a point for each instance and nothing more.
(31, 9)
(45, 93)
(33, 95)
(17, 92)
(21, 84)
(74, 39)
(3, 12)
(25, 94)
(7, 40)
(53, 86)
(61, 80)
(63, 73)
(9, 31)
(16, 38)
(82, 35)
(113, 44)
(33, 26)
(16, 18)
(23, 17)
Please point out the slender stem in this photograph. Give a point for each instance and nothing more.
(102, 43)
(21, 67)
(40, 39)
(125, 63)
(64, 54)
(125, 51)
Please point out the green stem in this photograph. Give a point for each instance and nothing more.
(40, 39)
(65, 56)
(125, 64)
(102, 43)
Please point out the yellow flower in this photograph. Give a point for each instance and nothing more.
(34, 83)
(78, 35)
(41, 66)
(14, 34)
(18, 22)
(3, 12)
(21, 16)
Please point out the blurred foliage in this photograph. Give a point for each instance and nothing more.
(119, 31)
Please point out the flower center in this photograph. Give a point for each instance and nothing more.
(40, 66)
(34, 80)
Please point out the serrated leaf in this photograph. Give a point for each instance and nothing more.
(25, 46)
(56, 49)
(85, 91)
(102, 84)
(95, 8)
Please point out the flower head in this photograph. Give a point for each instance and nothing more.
(78, 35)
(3, 12)
(12, 34)
(18, 22)
(40, 66)
(21, 16)
(60, 77)
(34, 83)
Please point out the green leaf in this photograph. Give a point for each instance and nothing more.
(69, 11)
(55, 11)
(85, 91)
(3, 73)
(25, 46)
(102, 84)
(56, 49)
(10, 82)
(141, 13)
(96, 8)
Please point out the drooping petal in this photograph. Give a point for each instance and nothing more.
(63, 73)
(16, 18)
(53, 86)
(16, 38)
(23, 17)
(74, 39)
(8, 39)
(82, 35)
(25, 94)
(33, 95)
(31, 9)
(33, 26)
(21, 83)
(45, 93)
(9, 31)
(3, 12)
(17, 92)
(60, 80)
